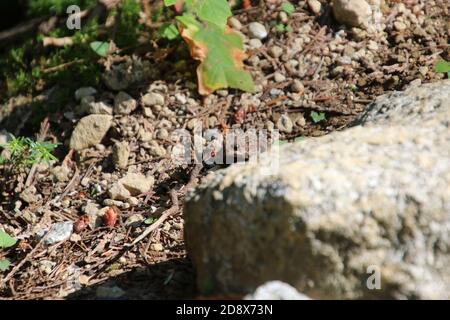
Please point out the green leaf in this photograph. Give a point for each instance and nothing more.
(100, 48)
(280, 27)
(288, 8)
(6, 240)
(317, 116)
(168, 31)
(213, 11)
(221, 55)
(442, 66)
(149, 220)
(4, 265)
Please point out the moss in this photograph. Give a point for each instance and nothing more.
(128, 26)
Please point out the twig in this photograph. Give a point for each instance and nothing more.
(57, 42)
(157, 223)
(62, 66)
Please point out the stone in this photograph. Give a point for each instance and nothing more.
(93, 107)
(94, 213)
(137, 183)
(337, 211)
(153, 99)
(234, 23)
(255, 43)
(118, 192)
(284, 124)
(124, 103)
(134, 220)
(399, 26)
(354, 13)
(279, 77)
(29, 195)
(46, 266)
(121, 153)
(90, 131)
(276, 290)
(257, 30)
(315, 6)
(132, 184)
(275, 51)
(162, 134)
(156, 247)
(29, 217)
(58, 232)
(84, 92)
(4, 137)
(297, 86)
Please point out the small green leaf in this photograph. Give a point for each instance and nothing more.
(289, 29)
(149, 220)
(288, 8)
(317, 116)
(442, 66)
(6, 240)
(4, 265)
(100, 48)
(168, 31)
(280, 27)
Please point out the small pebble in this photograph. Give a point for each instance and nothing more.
(235, 23)
(255, 43)
(275, 51)
(315, 6)
(278, 77)
(284, 124)
(399, 26)
(257, 30)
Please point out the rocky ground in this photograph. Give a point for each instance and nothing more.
(106, 221)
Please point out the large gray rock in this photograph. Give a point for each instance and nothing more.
(341, 214)
(90, 131)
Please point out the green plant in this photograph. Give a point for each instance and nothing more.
(283, 28)
(288, 8)
(26, 152)
(150, 220)
(4, 264)
(203, 26)
(443, 66)
(317, 116)
(6, 241)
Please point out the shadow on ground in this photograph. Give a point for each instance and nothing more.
(172, 279)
